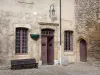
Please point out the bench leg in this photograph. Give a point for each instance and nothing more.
(36, 65)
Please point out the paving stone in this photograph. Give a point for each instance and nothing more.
(71, 69)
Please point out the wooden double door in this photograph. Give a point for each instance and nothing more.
(47, 44)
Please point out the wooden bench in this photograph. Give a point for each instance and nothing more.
(23, 63)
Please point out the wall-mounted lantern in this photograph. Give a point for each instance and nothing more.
(52, 14)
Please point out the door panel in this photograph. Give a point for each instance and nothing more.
(83, 51)
(44, 49)
(50, 51)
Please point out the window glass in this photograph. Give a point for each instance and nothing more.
(68, 40)
(21, 40)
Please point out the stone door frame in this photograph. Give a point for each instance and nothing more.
(47, 52)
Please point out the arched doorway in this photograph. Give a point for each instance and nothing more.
(83, 50)
(47, 46)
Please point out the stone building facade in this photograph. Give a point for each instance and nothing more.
(21, 21)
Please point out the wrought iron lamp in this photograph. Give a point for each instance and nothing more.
(52, 12)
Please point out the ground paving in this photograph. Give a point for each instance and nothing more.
(71, 69)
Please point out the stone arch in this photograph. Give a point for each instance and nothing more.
(52, 26)
(47, 46)
(83, 50)
(22, 26)
(81, 43)
(47, 29)
(80, 38)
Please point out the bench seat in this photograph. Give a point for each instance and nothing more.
(23, 63)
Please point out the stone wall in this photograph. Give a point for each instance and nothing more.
(87, 25)
(4, 43)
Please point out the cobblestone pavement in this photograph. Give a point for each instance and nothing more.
(71, 69)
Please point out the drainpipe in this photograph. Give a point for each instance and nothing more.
(60, 34)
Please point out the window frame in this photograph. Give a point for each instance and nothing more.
(68, 41)
(21, 34)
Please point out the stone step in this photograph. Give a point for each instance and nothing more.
(97, 63)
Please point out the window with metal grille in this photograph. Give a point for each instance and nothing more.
(21, 40)
(68, 40)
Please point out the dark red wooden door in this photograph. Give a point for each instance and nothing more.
(50, 50)
(83, 51)
(44, 49)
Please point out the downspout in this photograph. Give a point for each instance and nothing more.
(60, 22)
